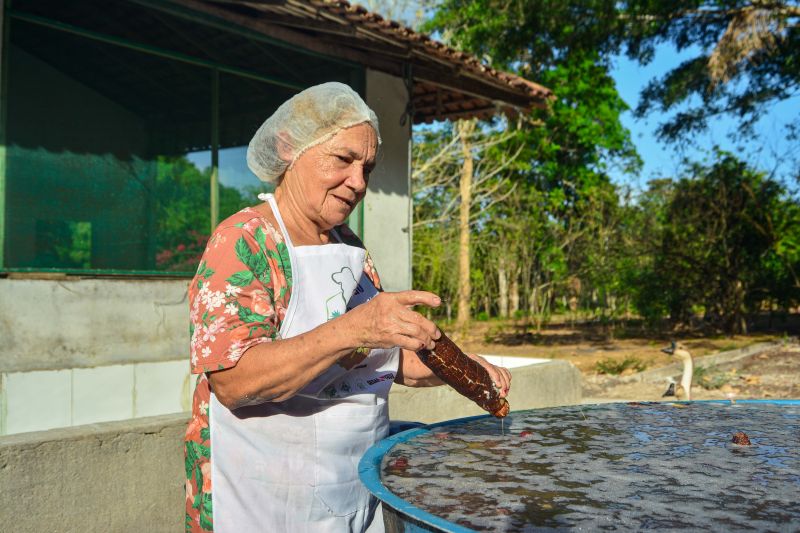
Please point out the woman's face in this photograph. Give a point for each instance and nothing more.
(328, 180)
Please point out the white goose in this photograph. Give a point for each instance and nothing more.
(679, 350)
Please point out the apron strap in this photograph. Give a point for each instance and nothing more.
(270, 199)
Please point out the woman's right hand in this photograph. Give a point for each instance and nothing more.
(387, 321)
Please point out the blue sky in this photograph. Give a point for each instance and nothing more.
(768, 150)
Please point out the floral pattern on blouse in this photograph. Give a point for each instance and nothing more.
(238, 299)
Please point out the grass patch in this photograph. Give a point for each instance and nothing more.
(615, 368)
(711, 378)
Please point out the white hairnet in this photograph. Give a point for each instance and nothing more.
(308, 118)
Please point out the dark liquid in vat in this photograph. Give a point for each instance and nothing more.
(609, 467)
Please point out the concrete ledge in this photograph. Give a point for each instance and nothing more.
(115, 476)
(545, 384)
(721, 360)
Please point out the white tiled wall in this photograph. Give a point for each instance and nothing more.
(161, 388)
(102, 394)
(34, 401)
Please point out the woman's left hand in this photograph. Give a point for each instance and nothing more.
(500, 376)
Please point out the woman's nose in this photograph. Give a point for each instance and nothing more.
(358, 179)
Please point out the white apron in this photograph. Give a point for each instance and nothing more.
(293, 466)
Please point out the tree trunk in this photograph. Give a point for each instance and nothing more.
(532, 299)
(465, 129)
(533, 305)
(513, 290)
(502, 288)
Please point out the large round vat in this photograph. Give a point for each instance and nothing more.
(616, 467)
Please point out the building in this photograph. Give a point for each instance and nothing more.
(123, 127)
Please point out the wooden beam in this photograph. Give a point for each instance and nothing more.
(309, 24)
(479, 112)
(245, 2)
(444, 109)
(450, 76)
(437, 97)
(463, 83)
(371, 47)
(223, 19)
(150, 49)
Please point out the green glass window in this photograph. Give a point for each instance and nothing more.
(126, 131)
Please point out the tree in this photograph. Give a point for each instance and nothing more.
(463, 167)
(721, 250)
(568, 148)
(409, 12)
(466, 129)
(182, 215)
(746, 57)
(746, 53)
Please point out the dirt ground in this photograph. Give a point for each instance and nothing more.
(773, 374)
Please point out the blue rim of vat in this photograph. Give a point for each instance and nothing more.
(369, 468)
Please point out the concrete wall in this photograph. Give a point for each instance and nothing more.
(128, 476)
(387, 206)
(117, 476)
(77, 351)
(50, 324)
(540, 385)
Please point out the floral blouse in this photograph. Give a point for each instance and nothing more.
(238, 299)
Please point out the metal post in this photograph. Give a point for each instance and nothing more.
(5, 50)
(214, 148)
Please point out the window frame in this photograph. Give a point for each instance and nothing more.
(357, 81)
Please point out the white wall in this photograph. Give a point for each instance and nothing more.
(387, 206)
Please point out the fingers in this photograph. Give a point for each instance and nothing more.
(500, 376)
(415, 326)
(428, 327)
(388, 320)
(505, 380)
(416, 335)
(408, 343)
(412, 298)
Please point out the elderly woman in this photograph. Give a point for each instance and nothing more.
(295, 343)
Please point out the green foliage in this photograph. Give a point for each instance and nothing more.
(560, 220)
(744, 55)
(182, 211)
(75, 248)
(722, 240)
(615, 368)
(719, 247)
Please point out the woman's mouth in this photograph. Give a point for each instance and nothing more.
(348, 203)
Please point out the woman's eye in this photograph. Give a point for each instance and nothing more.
(344, 159)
